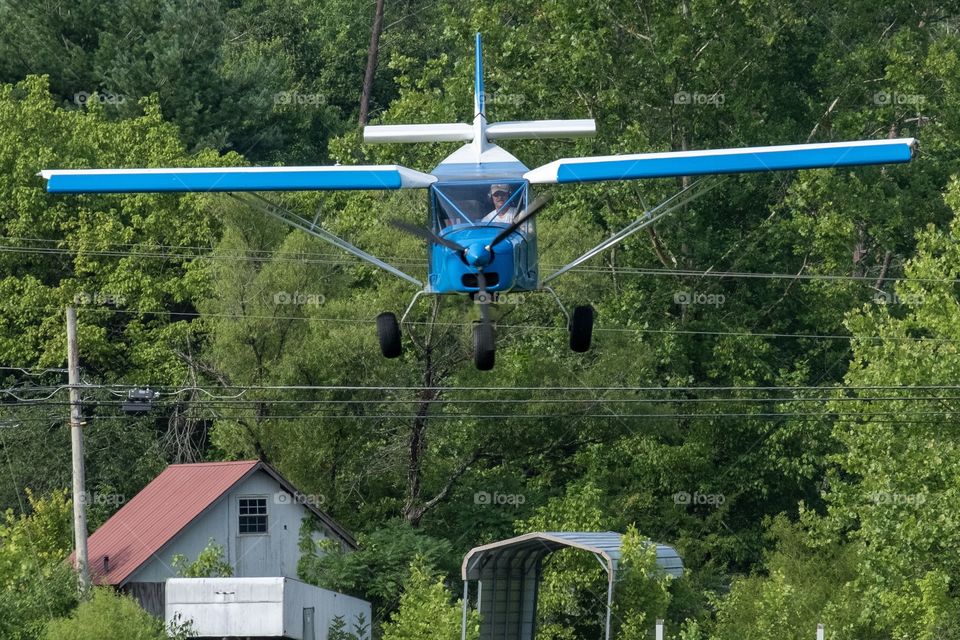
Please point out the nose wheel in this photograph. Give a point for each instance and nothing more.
(484, 335)
(484, 346)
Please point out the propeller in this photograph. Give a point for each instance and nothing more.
(528, 213)
(428, 234)
(478, 255)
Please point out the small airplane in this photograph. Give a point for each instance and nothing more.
(481, 236)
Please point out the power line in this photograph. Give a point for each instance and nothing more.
(33, 371)
(337, 258)
(170, 389)
(521, 327)
(524, 416)
(476, 401)
(808, 417)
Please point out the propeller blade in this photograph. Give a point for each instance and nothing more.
(528, 213)
(427, 234)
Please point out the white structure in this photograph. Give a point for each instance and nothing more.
(262, 608)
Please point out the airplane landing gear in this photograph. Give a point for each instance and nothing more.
(388, 331)
(581, 328)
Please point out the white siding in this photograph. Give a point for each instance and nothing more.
(265, 607)
(273, 554)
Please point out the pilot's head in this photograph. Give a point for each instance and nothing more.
(499, 193)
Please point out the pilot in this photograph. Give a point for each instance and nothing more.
(500, 193)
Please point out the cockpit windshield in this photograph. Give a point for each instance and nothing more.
(477, 203)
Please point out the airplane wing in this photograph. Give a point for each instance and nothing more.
(246, 179)
(218, 179)
(716, 161)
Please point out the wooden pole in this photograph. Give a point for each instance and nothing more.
(76, 441)
(372, 54)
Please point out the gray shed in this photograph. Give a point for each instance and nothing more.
(509, 574)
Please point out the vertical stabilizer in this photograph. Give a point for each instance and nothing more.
(479, 133)
(479, 99)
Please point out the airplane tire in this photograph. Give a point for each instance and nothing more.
(581, 328)
(388, 331)
(484, 346)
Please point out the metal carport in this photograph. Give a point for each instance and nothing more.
(509, 574)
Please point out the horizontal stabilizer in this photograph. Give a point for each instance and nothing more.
(219, 179)
(541, 129)
(719, 161)
(384, 133)
(454, 132)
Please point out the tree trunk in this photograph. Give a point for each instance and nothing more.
(372, 53)
(413, 509)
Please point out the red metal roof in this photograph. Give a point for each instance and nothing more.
(157, 514)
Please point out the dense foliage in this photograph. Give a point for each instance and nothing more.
(773, 384)
(107, 615)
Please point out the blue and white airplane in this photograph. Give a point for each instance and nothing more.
(481, 234)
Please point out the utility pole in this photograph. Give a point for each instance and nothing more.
(76, 441)
(372, 54)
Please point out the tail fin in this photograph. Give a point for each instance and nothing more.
(479, 98)
(479, 131)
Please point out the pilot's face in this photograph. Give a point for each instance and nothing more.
(499, 197)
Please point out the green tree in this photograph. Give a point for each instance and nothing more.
(897, 472)
(642, 591)
(377, 570)
(359, 631)
(426, 610)
(106, 616)
(99, 247)
(878, 563)
(210, 563)
(36, 583)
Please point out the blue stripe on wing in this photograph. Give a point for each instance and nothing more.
(231, 179)
(690, 163)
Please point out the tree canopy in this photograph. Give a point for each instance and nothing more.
(772, 388)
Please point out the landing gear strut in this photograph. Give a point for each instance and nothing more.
(579, 324)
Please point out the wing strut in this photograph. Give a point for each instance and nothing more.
(692, 192)
(286, 216)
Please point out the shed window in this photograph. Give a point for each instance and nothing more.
(253, 515)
